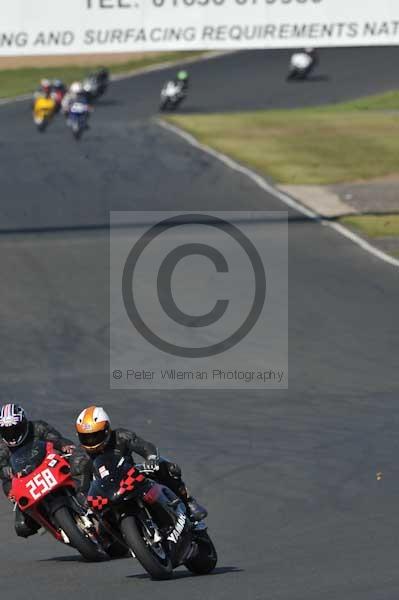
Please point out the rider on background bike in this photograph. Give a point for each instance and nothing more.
(182, 80)
(16, 431)
(44, 90)
(313, 55)
(75, 93)
(96, 436)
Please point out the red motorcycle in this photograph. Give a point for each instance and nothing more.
(57, 93)
(43, 488)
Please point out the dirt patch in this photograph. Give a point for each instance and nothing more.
(392, 178)
(376, 196)
(16, 62)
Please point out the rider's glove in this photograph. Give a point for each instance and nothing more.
(151, 463)
(68, 449)
(82, 499)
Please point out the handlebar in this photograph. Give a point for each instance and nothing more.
(140, 467)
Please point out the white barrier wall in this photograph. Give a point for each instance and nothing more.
(77, 26)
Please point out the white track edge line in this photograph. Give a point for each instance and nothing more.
(287, 200)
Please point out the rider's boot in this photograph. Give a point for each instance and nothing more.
(196, 512)
(25, 526)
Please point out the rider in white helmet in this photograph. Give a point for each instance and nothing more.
(74, 94)
(44, 89)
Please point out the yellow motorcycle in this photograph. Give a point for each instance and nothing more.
(43, 111)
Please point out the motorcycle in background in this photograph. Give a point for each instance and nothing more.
(96, 84)
(102, 77)
(43, 488)
(91, 87)
(44, 110)
(58, 92)
(172, 95)
(148, 519)
(78, 117)
(302, 64)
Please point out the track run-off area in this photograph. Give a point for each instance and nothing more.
(288, 476)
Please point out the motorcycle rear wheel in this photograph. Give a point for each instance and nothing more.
(78, 539)
(156, 566)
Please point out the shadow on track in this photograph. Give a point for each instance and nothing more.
(185, 574)
(310, 79)
(68, 558)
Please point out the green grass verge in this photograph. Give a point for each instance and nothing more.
(356, 140)
(387, 101)
(374, 226)
(15, 82)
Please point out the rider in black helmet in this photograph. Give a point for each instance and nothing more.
(16, 430)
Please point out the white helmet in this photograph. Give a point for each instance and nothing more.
(76, 87)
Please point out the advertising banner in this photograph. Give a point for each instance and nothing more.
(92, 26)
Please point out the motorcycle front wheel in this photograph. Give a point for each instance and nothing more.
(205, 560)
(152, 556)
(77, 537)
(77, 132)
(41, 126)
(163, 107)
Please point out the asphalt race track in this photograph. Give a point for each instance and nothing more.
(289, 477)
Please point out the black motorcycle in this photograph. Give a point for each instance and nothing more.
(103, 78)
(78, 117)
(302, 64)
(148, 519)
(96, 84)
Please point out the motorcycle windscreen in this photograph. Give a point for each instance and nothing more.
(109, 471)
(26, 459)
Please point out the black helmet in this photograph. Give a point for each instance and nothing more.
(14, 425)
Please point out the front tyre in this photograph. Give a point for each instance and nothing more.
(205, 560)
(77, 537)
(153, 558)
(41, 125)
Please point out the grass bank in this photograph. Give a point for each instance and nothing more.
(374, 226)
(352, 141)
(14, 82)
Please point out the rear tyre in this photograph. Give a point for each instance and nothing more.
(163, 107)
(156, 565)
(206, 558)
(78, 538)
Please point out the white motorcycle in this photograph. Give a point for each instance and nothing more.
(301, 65)
(172, 95)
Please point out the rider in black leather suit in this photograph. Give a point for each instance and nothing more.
(16, 431)
(125, 443)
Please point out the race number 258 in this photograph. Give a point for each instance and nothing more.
(41, 484)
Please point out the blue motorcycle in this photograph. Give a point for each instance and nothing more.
(78, 118)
